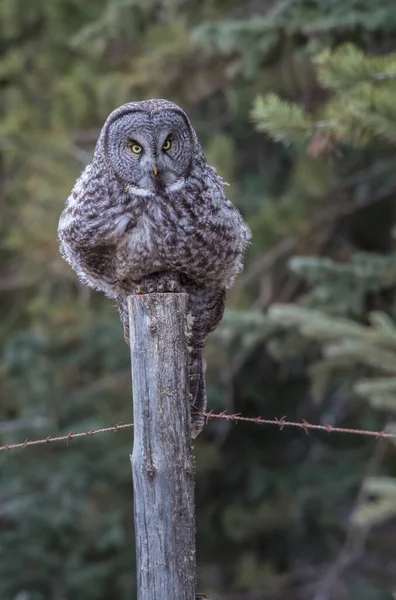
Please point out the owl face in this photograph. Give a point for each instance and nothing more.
(150, 151)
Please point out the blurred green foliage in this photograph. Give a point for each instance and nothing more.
(277, 516)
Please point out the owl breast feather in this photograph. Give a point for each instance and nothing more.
(180, 241)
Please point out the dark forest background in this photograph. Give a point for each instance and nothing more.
(294, 102)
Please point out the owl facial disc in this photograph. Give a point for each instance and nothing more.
(150, 152)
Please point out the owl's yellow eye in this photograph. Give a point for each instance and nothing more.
(168, 143)
(134, 147)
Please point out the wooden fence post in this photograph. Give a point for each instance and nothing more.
(162, 462)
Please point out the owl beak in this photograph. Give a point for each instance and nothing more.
(155, 171)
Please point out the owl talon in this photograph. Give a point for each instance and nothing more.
(174, 286)
(146, 286)
(142, 289)
(151, 287)
(161, 286)
(159, 282)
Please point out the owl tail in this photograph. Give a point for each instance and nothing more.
(196, 369)
(196, 377)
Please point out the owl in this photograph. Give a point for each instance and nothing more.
(149, 214)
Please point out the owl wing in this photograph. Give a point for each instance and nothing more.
(93, 222)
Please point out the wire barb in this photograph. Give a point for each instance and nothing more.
(280, 422)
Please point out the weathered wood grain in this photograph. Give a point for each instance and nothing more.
(162, 462)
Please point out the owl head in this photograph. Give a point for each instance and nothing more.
(150, 146)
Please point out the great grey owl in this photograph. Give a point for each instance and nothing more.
(150, 214)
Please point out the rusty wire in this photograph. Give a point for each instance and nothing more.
(281, 423)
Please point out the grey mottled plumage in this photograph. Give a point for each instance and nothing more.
(150, 214)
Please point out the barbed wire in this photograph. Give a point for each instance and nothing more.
(281, 423)
(60, 438)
